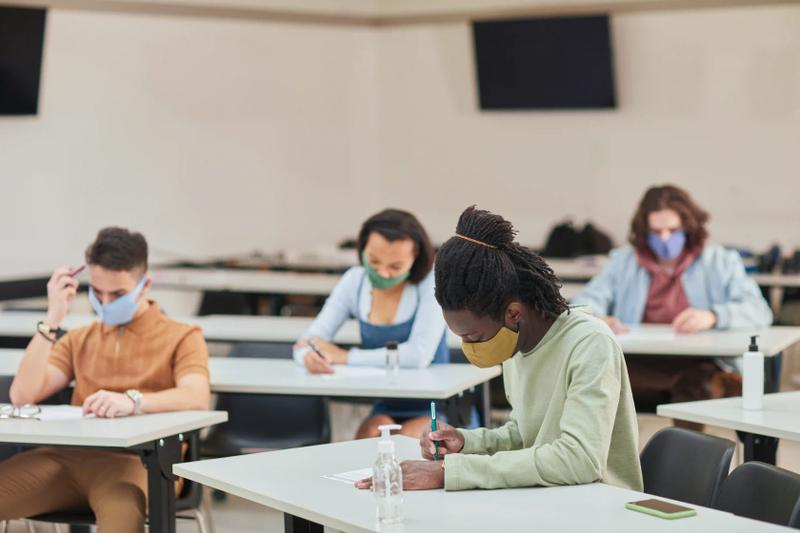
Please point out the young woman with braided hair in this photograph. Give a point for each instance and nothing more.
(573, 419)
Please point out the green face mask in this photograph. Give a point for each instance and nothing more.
(378, 281)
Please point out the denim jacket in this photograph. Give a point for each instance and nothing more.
(716, 280)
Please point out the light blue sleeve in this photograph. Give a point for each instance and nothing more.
(599, 292)
(744, 305)
(426, 334)
(340, 306)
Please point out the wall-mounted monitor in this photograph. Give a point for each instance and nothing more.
(21, 46)
(545, 63)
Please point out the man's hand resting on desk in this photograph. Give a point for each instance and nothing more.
(694, 320)
(417, 475)
(615, 324)
(107, 404)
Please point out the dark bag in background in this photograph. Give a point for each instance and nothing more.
(565, 241)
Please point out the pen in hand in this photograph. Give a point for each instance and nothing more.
(433, 428)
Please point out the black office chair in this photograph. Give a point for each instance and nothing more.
(762, 492)
(188, 505)
(685, 465)
(258, 422)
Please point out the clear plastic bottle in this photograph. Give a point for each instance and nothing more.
(387, 479)
(392, 360)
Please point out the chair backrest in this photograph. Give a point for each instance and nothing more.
(762, 492)
(260, 421)
(685, 465)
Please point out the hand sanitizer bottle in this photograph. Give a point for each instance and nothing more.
(753, 377)
(392, 360)
(387, 479)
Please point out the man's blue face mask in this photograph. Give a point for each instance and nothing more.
(121, 310)
(667, 249)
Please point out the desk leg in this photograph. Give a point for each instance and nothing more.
(295, 524)
(759, 447)
(158, 458)
(458, 409)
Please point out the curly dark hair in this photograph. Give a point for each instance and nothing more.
(693, 217)
(485, 277)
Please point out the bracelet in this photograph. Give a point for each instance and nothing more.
(52, 340)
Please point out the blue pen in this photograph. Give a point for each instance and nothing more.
(433, 428)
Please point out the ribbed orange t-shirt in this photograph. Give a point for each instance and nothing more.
(150, 354)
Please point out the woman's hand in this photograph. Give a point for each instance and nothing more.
(331, 352)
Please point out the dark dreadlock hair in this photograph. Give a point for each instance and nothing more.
(485, 278)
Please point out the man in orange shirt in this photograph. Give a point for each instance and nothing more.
(134, 360)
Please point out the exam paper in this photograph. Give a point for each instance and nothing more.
(641, 336)
(62, 412)
(343, 371)
(351, 477)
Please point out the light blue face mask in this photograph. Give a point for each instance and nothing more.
(667, 249)
(121, 310)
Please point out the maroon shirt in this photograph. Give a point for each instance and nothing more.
(666, 298)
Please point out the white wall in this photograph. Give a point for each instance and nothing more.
(211, 136)
(709, 99)
(222, 136)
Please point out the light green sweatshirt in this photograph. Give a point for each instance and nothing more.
(572, 420)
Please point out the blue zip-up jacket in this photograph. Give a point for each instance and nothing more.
(716, 280)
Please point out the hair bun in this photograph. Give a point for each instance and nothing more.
(486, 227)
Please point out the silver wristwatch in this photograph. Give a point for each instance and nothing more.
(136, 396)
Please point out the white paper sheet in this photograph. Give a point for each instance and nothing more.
(640, 336)
(62, 412)
(343, 371)
(351, 477)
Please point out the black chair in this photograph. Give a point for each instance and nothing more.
(188, 505)
(685, 465)
(259, 422)
(762, 492)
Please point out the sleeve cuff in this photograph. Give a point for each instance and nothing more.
(471, 442)
(452, 471)
(723, 316)
(358, 357)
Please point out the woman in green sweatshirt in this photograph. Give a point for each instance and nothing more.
(573, 420)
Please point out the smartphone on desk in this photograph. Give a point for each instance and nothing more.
(661, 509)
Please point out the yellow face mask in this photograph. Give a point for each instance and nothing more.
(494, 351)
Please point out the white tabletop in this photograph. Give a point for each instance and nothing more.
(291, 481)
(241, 280)
(777, 280)
(278, 376)
(779, 418)
(105, 432)
(642, 340)
(661, 340)
(579, 268)
(281, 376)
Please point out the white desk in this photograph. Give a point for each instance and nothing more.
(448, 383)
(660, 340)
(241, 280)
(291, 481)
(157, 438)
(780, 419)
(643, 340)
(278, 376)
